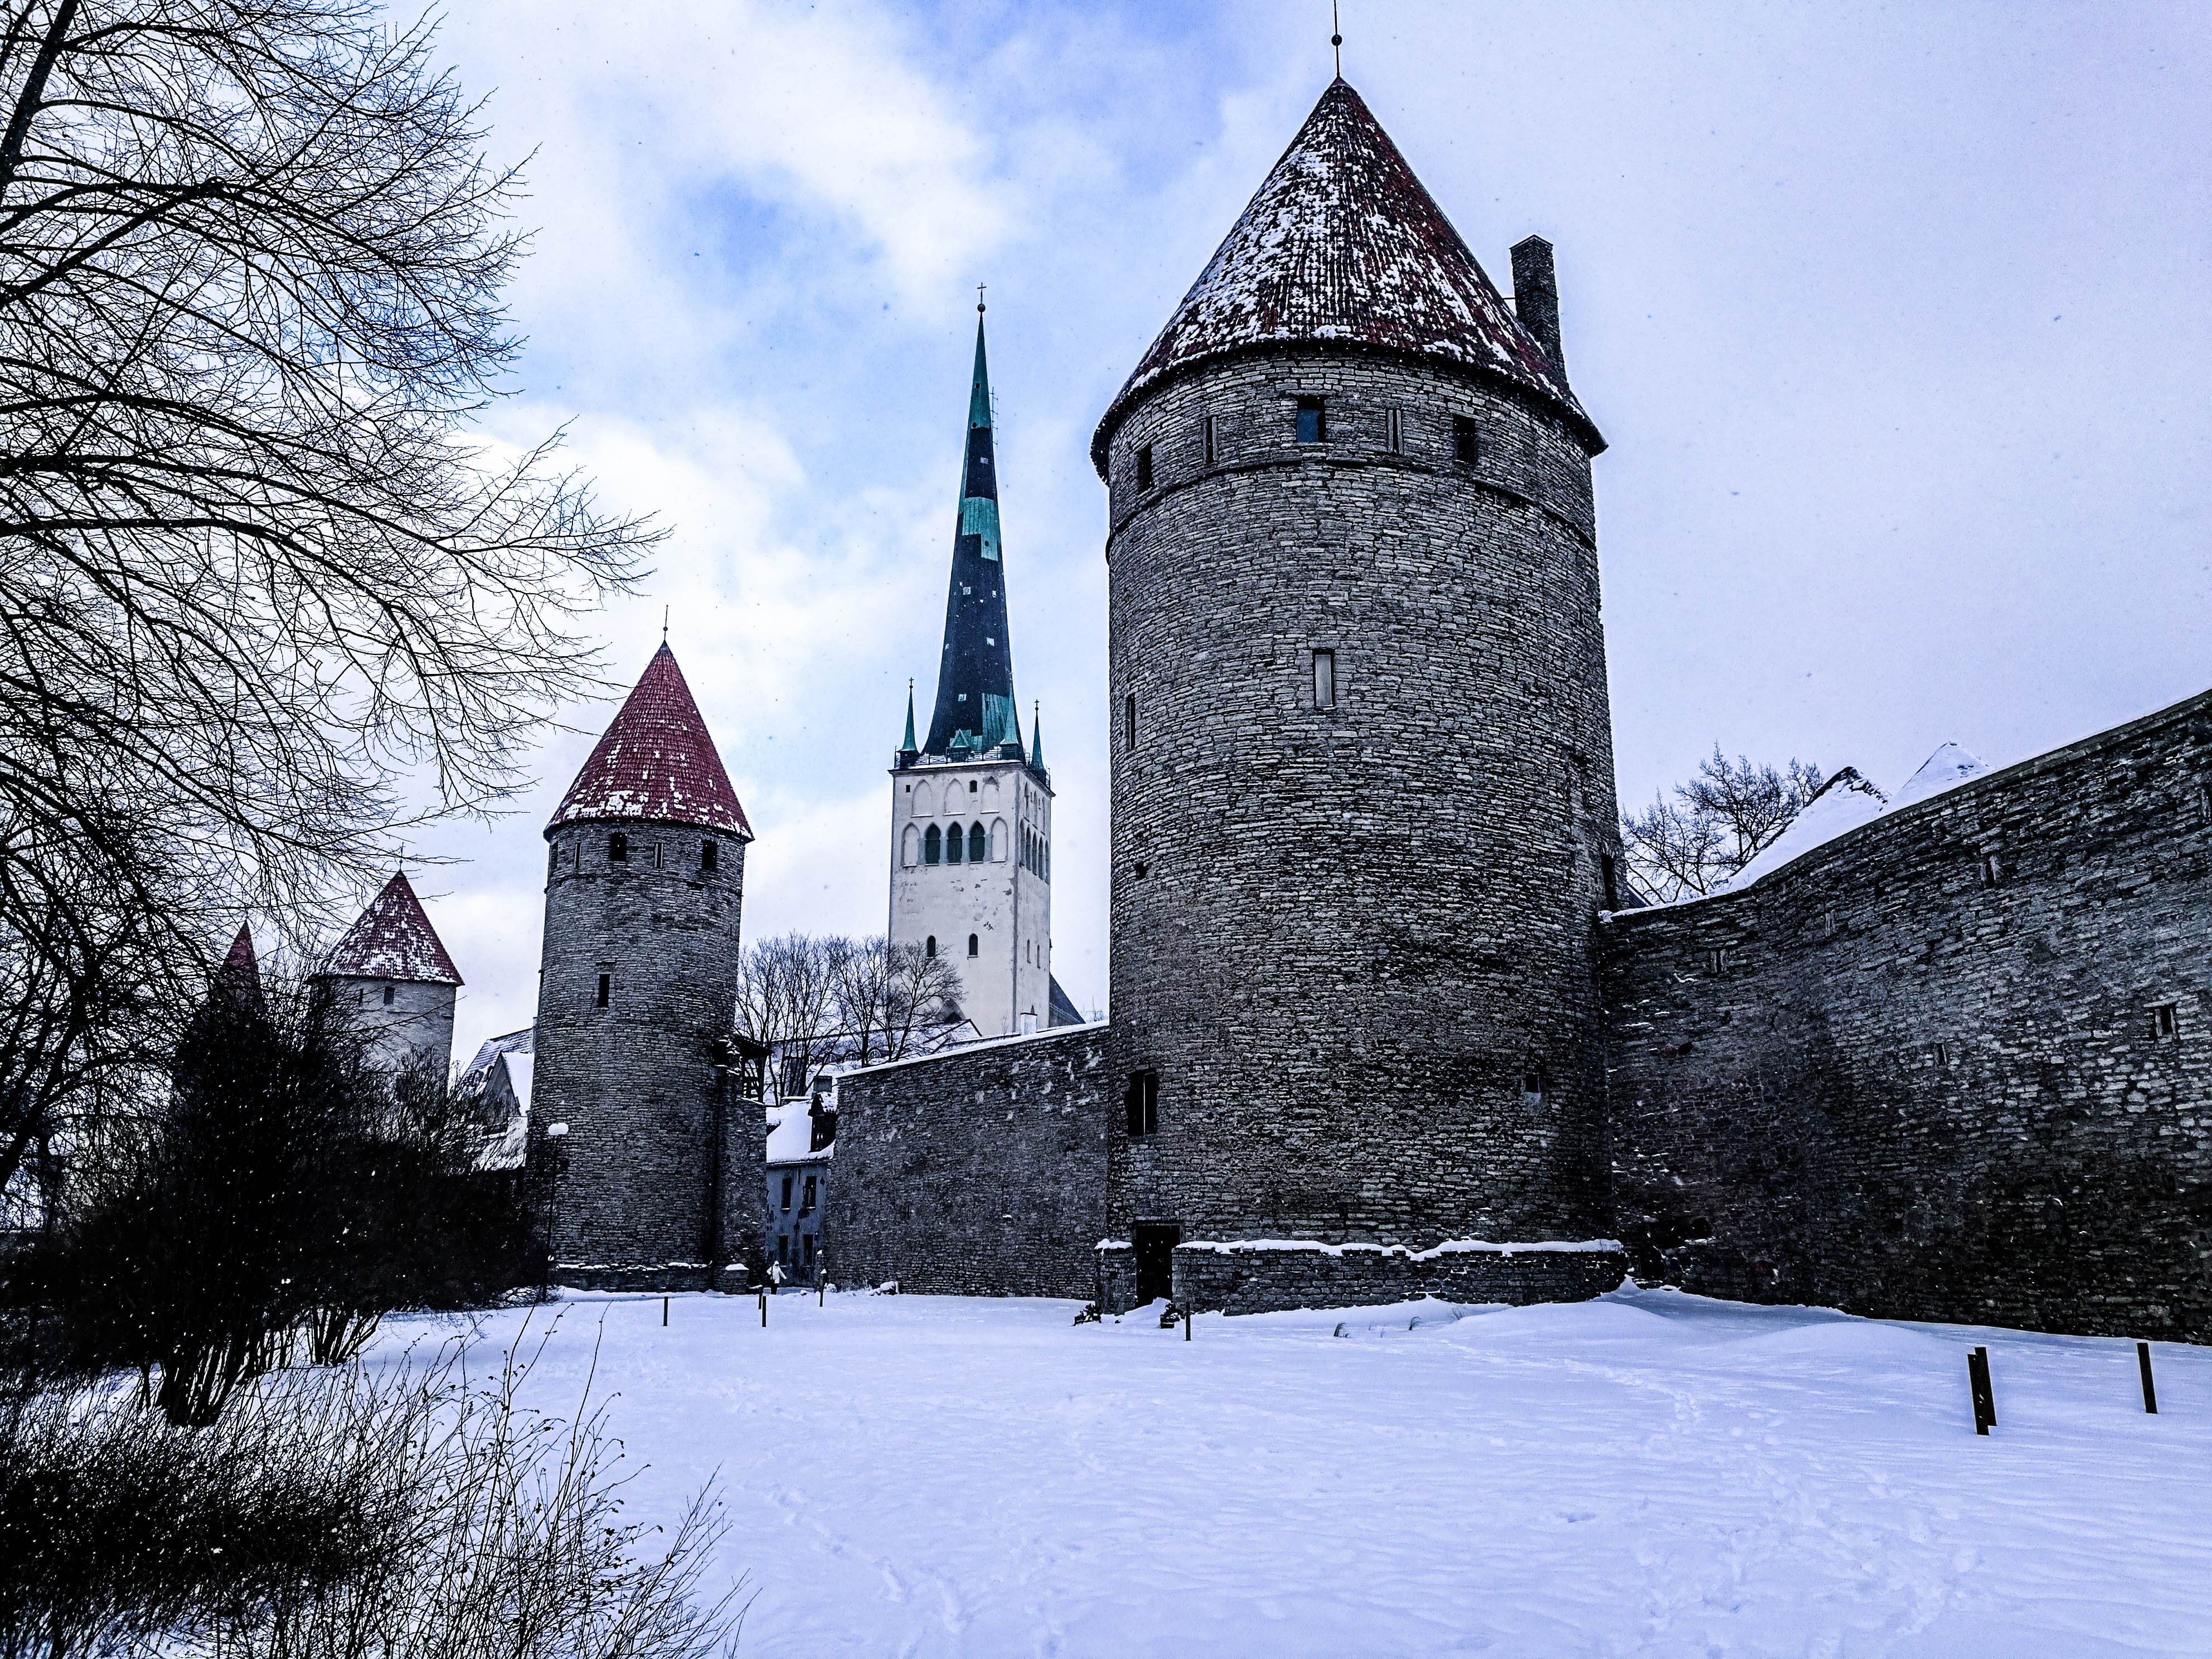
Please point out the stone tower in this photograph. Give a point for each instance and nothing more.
(1362, 770)
(391, 968)
(971, 809)
(661, 1165)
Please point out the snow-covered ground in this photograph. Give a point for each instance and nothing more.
(1650, 1473)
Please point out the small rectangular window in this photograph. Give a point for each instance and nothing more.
(806, 1197)
(1313, 420)
(618, 848)
(1532, 1089)
(1717, 959)
(1210, 449)
(1467, 439)
(2163, 1021)
(606, 984)
(1144, 466)
(1395, 436)
(1943, 1054)
(787, 1192)
(1130, 721)
(1324, 679)
(388, 993)
(710, 853)
(1608, 874)
(1141, 1102)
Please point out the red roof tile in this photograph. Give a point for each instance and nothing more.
(657, 761)
(1342, 244)
(240, 973)
(393, 940)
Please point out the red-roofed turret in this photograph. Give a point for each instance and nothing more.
(656, 762)
(391, 968)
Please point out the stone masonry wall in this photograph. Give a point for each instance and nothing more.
(1262, 1278)
(979, 1172)
(1348, 939)
(1923, 1071)
(418, 1020)
(636, 1081)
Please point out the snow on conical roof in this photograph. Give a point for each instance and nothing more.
(1342, 244)
(656, 762)
(1948, 768)
(393, 940)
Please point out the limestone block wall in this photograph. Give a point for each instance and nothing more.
(635, 1079)
(979, 1172)
(1270, 1277)
(1357, 943)
(417, 1022)
(1954, 1065)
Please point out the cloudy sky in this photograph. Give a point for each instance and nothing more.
(1895, 317)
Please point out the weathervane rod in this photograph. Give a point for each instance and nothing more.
(1336, 39)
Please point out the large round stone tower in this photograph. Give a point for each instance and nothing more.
(1361, 768)
(659, 1168)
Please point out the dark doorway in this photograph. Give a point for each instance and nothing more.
(1155, 1243)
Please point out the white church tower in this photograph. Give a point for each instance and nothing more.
(971, 809)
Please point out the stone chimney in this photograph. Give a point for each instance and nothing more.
(1536, 296)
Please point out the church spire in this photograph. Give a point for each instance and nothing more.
(975, 707)
(907, 749)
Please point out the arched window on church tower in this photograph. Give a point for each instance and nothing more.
(998, 841)
(910, 847)
(978, 849)
(932, 846)
(955, 843)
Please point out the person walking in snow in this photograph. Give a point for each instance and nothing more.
(775, 1279)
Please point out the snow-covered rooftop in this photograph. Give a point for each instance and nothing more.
(393, 940)
(1343, 244)
(791, 1133)
(656, 760)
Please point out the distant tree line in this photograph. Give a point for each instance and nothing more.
(814, 998)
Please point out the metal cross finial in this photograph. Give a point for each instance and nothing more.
(664, 624)
(979, 299)
(1336, 39)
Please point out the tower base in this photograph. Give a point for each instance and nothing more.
(1268, 1275)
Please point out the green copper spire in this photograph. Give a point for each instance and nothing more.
(907, 747)
(975, 709)
(1036, 738)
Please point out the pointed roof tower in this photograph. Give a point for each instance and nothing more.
(393, 940)
(240, 973)
(1343, 246)
(975, 675)
(656, 761)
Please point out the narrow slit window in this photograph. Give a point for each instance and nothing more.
(2163, 1020)
(659, 849)
(710, 854)
(606, 985)
(1129, 720)
(1943, 1054)
(1141, 1103)
(1313, 420)
(1144, 466)
(1467, 439)
(618, 848)
(1324, 679)
(389, 993)
(1394, 433)
(1992, 872)
(1207, 432)
(973, 945)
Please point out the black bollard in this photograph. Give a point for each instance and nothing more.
(763, 1308)
(2150, 1389)
(664, 1313)
(1977, 1384)
(1186, 1324)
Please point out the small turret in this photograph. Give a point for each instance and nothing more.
(392, 967)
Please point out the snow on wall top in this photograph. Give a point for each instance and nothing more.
(656, 761)
(393, 940)
(1342, 243)
(1848, 800)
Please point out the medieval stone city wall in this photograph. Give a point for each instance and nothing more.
(979, 1172)
(1356, 943)
(636, 1081)
(1954, 1065)
(1266, 1277)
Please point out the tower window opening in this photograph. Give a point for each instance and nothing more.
(972, 785)
(1205, 427)
(1395, 432)
(618, 848)
(978, 843)
(973, 945)
(1144, 466)
(932, 846)
(1943, 1054)
(1467, 439)
(1141, 1103)
(929, 946)
(2163, 1021)
(1313, 420)
(1324, 679)
(1992, 872)
(956, 844)
(1130, 721)
(710, 854)
(389, 992)
(786, 1195)
(1608, 875)
(606, 984)
(1532, 1089)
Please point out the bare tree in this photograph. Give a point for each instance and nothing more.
(1716, 823)
(921, 994)
(252, 573)
(787, 1000)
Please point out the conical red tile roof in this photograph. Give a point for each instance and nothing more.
(657, 761)
(1343, 245)
(393, 940)
(240, 973)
